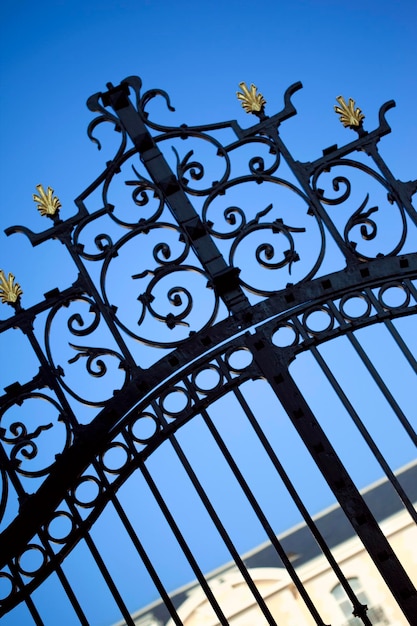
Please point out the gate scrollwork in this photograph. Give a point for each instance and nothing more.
(214, 259)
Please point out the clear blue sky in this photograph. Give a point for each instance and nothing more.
(56, 54)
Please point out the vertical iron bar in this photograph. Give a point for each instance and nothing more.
(103, 308)
(184, 546)
(109, 580)
(395, 184)
(103, 569)
(146, 560)
(63, 580)
(52, 380)
(297, 500)
(412, 288)
(34, 611)
(7, 465)
(376, 377)
(409, 356)
(71, 596)
(357, 421)
(261, 517)
(138, 545)
(27, 597)
(299, 172)
(275, 370)
(222, 531)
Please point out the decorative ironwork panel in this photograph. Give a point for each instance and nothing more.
(209, 261)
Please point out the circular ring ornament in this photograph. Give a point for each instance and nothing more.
(115, 458)
(60, 527)
(356, 298)
(144, 428)
(29, 563)
(174, 401)
(7, 586)
(81, 494)
(285, 335)
(398, 287)
(207, 378)
(238, 359)
(322, 328)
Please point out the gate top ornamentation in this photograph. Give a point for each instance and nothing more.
(218, 246)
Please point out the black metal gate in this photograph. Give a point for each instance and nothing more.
(197, 271)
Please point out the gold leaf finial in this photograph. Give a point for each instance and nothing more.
(48, 204)
(349, 116)
(10, 291)
(251, 101)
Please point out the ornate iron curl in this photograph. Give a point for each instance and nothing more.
(95, 366)
(21, 439)
(361, 217)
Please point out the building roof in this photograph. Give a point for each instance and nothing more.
(298, 542)
(335, 528)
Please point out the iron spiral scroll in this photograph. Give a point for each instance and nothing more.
(180, 275)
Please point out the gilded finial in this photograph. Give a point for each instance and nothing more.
(349, 116)
(10, 291)
(48, 204)
(251, 101)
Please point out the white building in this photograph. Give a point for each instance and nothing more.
(313, 569)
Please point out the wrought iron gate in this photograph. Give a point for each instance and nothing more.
(200, 275)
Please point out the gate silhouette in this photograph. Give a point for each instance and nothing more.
(207, 288)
